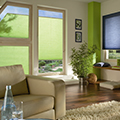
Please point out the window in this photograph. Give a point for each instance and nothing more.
(112, 54)
(15, 35)
(51, 25)
(111, 28)
(14, 22)
(111, 42)
(10, 55)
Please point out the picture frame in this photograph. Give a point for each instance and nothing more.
(78, 36)
(78, 24)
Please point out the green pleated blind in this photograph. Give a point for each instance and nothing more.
(14, 22)
(50, 36)
(11, 55)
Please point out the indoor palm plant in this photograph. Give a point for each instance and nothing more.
(82, 60)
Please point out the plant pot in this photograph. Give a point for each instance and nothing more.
(83, 81)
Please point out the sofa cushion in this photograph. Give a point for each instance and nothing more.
(20, 88)
(34, 104)
(13, 75)
(17, 89)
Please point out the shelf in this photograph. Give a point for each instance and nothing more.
(109, 68)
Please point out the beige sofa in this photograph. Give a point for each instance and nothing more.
(42, 97)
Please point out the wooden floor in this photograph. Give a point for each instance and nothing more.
(79, 96)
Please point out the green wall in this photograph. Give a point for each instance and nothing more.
(94, 18)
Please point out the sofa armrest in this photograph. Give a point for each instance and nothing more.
(49, 86)
(40, 86)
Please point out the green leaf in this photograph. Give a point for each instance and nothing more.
(82, 59)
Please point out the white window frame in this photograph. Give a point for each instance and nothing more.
(106, 57)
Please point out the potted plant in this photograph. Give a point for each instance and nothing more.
(82, 60)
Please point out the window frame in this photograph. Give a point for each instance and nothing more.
(5, 41)
(64, 38)
(30, 21)
(105, 52)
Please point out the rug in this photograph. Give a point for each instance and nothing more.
(102, 111)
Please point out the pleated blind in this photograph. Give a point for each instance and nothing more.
(50, 35)
(111, 31)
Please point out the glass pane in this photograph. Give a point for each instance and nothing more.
(50, 66)
(11, 55)
(50, 41)
(114, 54)
(51, 14)
(14, 22)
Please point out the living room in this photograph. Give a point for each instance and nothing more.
(73, 10)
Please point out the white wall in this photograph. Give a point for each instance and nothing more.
(74, 9)
(108, 7)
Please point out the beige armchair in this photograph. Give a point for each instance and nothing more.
(42, 97)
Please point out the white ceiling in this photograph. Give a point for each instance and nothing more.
(91, 0)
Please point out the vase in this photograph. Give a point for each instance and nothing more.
(83, 81)
(8, 105)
